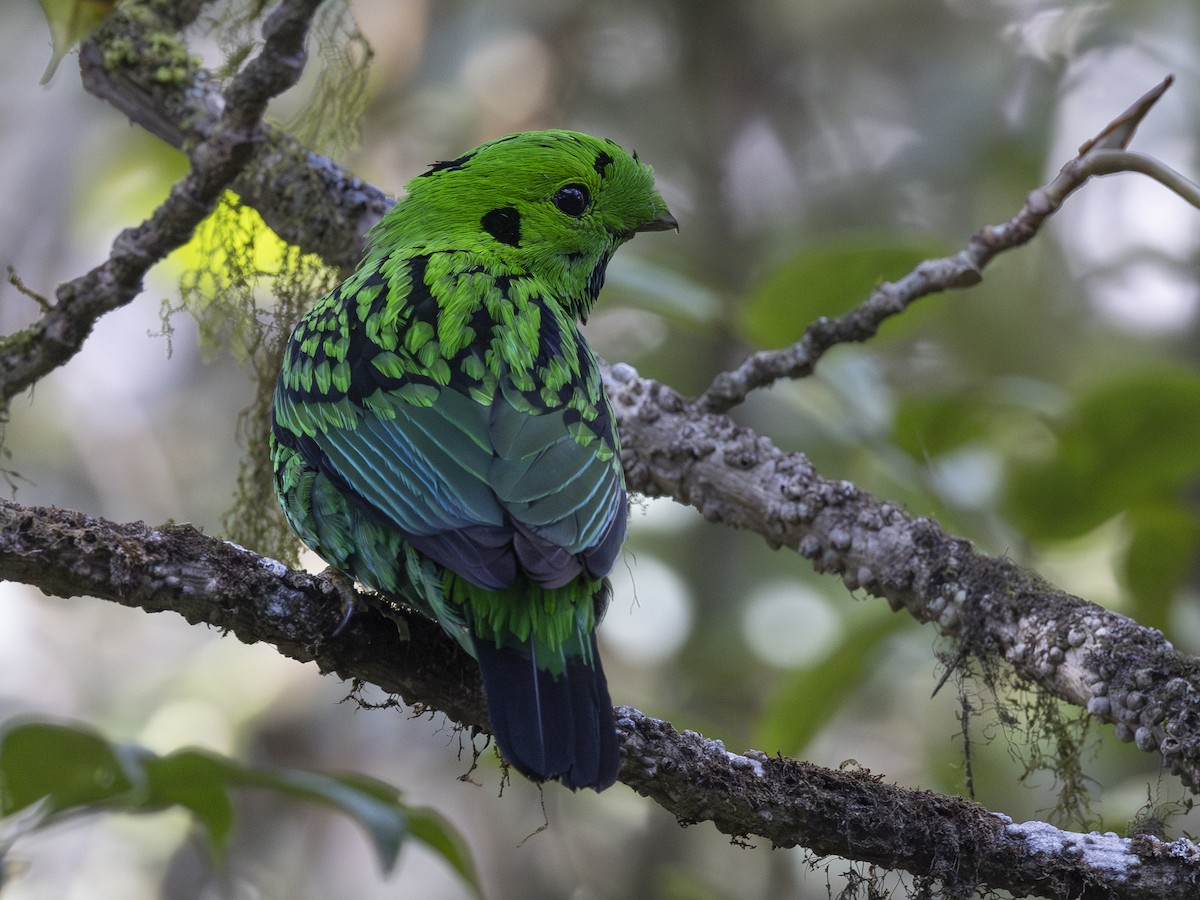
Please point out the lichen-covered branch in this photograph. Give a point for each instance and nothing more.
(963, 269)
(948, 842)
(216, 161)
(1121, 672)
(851, 813)
(212, 582)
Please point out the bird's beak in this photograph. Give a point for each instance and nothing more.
(665, 222)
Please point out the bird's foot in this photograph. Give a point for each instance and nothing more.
(342, 585)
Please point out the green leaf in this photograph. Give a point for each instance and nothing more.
(198, 781)
(1129, 442)
(931, 426)
(73, 769)
(373, 804)
(67, 766)
(803, 704)
(827, 280)
(1160, 557)
(436, 833)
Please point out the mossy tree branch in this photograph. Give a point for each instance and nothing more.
(221, 153)
(948, 842)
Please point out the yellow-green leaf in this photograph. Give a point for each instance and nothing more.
(70, 22)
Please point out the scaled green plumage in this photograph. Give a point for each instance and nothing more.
(441, 432)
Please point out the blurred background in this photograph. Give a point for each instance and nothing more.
(809, 150)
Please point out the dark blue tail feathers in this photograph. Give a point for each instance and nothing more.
(551, 728)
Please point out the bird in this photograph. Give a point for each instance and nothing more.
(440, 432)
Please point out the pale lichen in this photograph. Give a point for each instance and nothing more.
(243, 285)
(245, 288)
(1096, 852)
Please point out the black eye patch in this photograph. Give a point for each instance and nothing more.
(504, 225)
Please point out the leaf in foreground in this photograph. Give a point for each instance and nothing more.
(66, 770)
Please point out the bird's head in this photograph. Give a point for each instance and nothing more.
(555, 204)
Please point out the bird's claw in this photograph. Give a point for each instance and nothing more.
(343, 585)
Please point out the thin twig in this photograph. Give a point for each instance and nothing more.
(58, 335)
(1112, 162)
(963, 269)
(15, 280)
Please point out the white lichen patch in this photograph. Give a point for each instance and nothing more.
(274, 566)
(1106, 852)
(740, 762)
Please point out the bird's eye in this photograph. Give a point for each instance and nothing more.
(572, 199)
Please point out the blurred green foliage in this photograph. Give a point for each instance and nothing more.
(61, 770)
(791, 717)
(1128, 448)
(828, 279)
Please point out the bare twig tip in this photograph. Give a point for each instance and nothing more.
(15, 280)
(1119, 132)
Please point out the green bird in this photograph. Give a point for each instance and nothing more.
(440, 431)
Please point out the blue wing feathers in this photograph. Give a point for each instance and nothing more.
(522, 515)
(425, 469)
(482, 554)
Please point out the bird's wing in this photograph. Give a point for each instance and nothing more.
(560, 481)
(485, 486)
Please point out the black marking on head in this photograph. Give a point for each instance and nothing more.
(603, 161)
(447, 165)
(504, 224)
(596, 277)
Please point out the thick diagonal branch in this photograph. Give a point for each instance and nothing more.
(217, 583)
(851, 813)
(1120, 671)
(216, 161)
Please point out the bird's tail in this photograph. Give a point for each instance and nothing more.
(552, 719)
